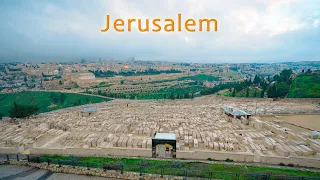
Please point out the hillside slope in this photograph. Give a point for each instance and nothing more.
(46, 101)
(305, 86)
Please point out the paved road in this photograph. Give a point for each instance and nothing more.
(9, 172)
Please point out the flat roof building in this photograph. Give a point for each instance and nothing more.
(88, 111)
(165, 136)
(236, 113)
(163, 140)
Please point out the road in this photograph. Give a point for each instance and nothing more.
(9, 172)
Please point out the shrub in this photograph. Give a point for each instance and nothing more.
(229, 160)
(145, 163)
(111, 167)
(177, 165)
(282, 164)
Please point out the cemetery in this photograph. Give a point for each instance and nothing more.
(199, 129)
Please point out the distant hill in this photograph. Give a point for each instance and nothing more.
(46, 101)
(305, 86)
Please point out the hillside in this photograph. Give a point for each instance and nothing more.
(305, 86)
(46, 101)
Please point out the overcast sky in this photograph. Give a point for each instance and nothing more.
(249, 31)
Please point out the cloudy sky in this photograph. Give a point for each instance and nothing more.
(249, 31)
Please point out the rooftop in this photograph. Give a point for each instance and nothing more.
(89, 109)
(240, 113)
(233, 111)
(165, 136)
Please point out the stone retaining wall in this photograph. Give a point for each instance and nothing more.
(11, 150)
(216, 155)
(295, 160)
(135, 152)
(93, 171)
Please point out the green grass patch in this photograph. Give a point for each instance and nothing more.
(305, 86)
(194, 169)
(199, 77)
(45, 101)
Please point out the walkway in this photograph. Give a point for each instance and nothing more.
(9, 172)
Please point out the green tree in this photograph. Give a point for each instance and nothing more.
(172, 96)
(268, 78)
(62, 98)
(122, 82)
(285, 75)
(76, 85)
(54, 98)
(247, 92)
(262, 94)
(234, 92)
(309, 71)
(255, 93)
(276, 77)
(1, 115)
(60, 82)
(256, 79)
(281, 87)
(22, 111)
(77, 103)
(25, 79)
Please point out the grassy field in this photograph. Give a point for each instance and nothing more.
(180, 90)
(305, 86)
(44, 100)
(197, 169)
(176, 90)
(200, 77)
